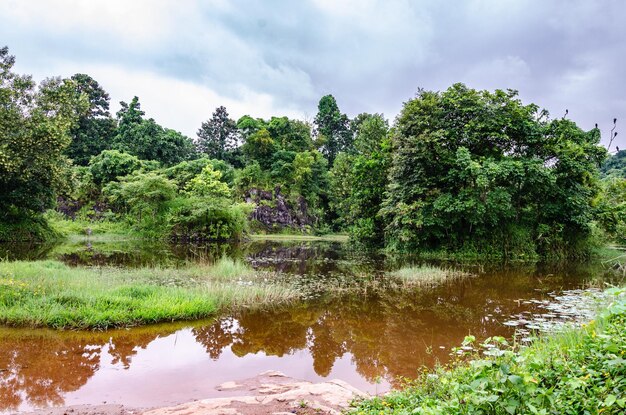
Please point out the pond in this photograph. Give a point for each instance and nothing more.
(371, 341)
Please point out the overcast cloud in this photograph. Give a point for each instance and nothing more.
(263, 58)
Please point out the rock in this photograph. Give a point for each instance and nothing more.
(273, 210)
(271, 393)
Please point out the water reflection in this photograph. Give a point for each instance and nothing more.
(387, 335)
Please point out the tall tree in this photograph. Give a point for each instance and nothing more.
(358, 180)
(95, 128)
(333, 129)
(480, 170)
(34, 134)
(218, 136)
(148, 140)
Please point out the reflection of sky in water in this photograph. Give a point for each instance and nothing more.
(354, 339)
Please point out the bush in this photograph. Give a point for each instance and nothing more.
(201, 219)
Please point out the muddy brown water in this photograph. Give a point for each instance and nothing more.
(371, 342)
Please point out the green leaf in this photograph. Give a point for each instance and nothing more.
(610, 400)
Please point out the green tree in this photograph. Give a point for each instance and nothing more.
(260, 147)
(290, 135)
(148, 140)
(208, 184)
(95, 127)
(110, 165)
(218, 136)
(248, 126)
(611, 207)
(34, 135)
(472, 169)
(358, 181)
(333, 129)
(143, 195)
(615, 165)
(310, 176)
(183, 172)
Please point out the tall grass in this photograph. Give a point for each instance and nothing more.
(427, 275)
(51, 294)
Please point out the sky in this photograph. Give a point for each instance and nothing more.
(273, 58)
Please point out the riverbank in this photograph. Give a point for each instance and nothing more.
(579, 370)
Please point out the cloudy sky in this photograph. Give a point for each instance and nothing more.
(263, 58)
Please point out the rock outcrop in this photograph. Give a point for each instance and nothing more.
(273, 211)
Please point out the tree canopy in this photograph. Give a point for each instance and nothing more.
(218, 136)
(480, 169)
(35, 125)
(333, 129)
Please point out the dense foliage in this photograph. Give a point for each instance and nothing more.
(34, 132)
(481, 171)
(615, 165)
(460, 170)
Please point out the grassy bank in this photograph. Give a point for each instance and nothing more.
(101, 229)
(51, 294)
(579, 371)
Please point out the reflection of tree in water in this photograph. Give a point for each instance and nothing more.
(391, 334)
(40, 367)
(215, 337)
(41, 371)
(123, 348)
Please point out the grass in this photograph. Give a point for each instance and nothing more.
(426, 275)
(578, 371)
(51, 294)
(98, 230)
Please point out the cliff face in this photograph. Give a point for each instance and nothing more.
(273, 211)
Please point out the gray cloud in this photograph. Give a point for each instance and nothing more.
(372, 55)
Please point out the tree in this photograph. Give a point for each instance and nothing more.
(248, 126)
(611, 207)
(217, 136)
(260, 147)
(34, 134)
(148, 140)
(183, 172)
(142, 194)
(291, 135)
(473, 169)
(333, 129)
(208, 184)
(110, 165)
(95, 127)
(615, 165)
(358, 181)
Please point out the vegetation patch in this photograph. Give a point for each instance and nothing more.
(577, 371)
(426, 275)
(51, 294)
